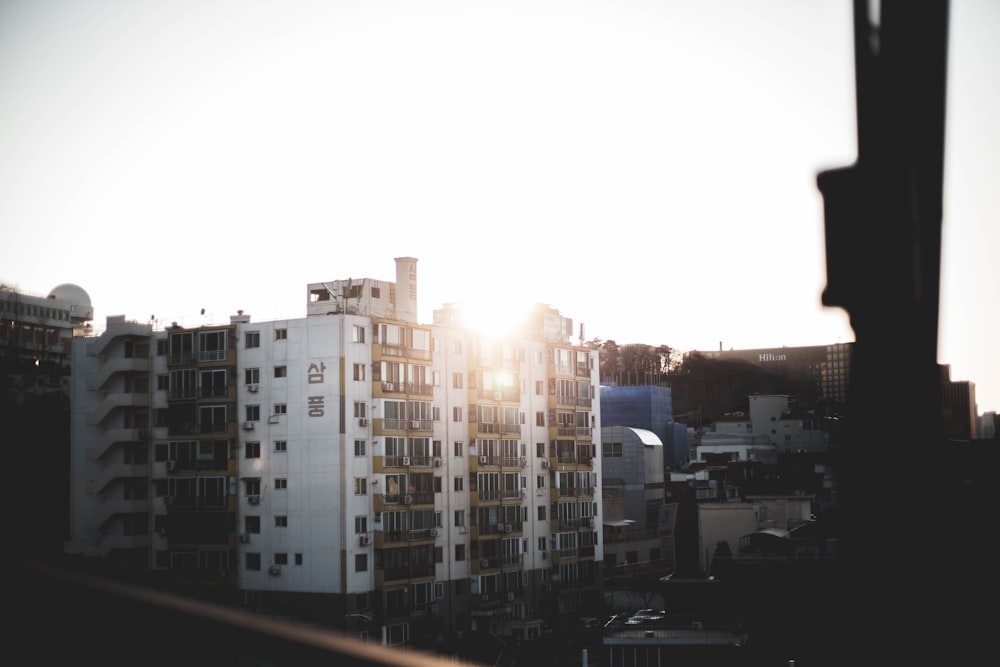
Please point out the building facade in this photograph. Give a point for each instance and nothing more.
(415, 482)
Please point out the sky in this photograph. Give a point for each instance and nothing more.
(647, 167)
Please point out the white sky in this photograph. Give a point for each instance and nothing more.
(646, 167)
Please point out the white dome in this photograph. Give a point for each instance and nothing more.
(76, 297)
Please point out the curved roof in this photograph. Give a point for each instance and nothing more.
(646, 437)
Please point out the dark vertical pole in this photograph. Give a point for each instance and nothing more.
(883, 235)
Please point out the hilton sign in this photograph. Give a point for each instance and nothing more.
(773, 357)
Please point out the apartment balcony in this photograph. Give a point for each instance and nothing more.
(402, 573)
(506, 395)
(112, 507)
(513, 561)
(584, 433)
(485, 565)
(404, 462)
(484, 498)
(113, 436)
(114, 402)
(582, 371)
(113, 367)
(561, 524)
(118, 329)
(403, 426)
(387, 350)
(413, 498)
(587, 552)
(509, 496)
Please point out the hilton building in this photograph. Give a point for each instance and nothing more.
(827, 366)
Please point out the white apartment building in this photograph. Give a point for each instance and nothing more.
(421, 480)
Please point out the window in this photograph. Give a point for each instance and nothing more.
(540, 481)
(361, 524)
(280, 334)
(459, 518)
(458, 449)
(251, 376)
(212, 346)
(359, 371)
(360, 409)
(458, 346)
(298, 559)
(360, 562)
(163, 382)
(456, 414)
(280, 483)
(280, 408)
(252, 486)
(251, 339)
(252, 450)
(251, 524)
(541, 512)
(358, 333)
(611, 449)
(438, 554)
(459, 483)
(539, 388)
(280, 445)
(281, 559)
(539, 419)
(359, 447)
(280, 371)
(456, 380)
(459, 552)
(252, 413)
(213, 419)
(542, 546)
(360, 486)
(252, 561)
(540, 450)
(281, 521)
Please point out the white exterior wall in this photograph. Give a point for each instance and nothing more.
(318, 463)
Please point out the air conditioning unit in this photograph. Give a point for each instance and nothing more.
(171, 465)
(144, 435)
(415, 423)
(486, 596)
(435, 609)
(406, 460)
(508, 528)
(253, 388)
(388, 386)
(484, 563)
(545, 555)
(168, 500)
(407, 499)
(244, 537)
(435, 532)
(247, 426)
(253, 500)
(510, 596)
(545, 463)
(363, 422)
(484, 459)
(438, 463)
(365, 540)
(590, 522)
(497, 396)
(275, 570)
(540, 492)
(161, 531)
(273, 419)
(524, 461)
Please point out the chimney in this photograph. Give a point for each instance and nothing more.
(406, 289)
